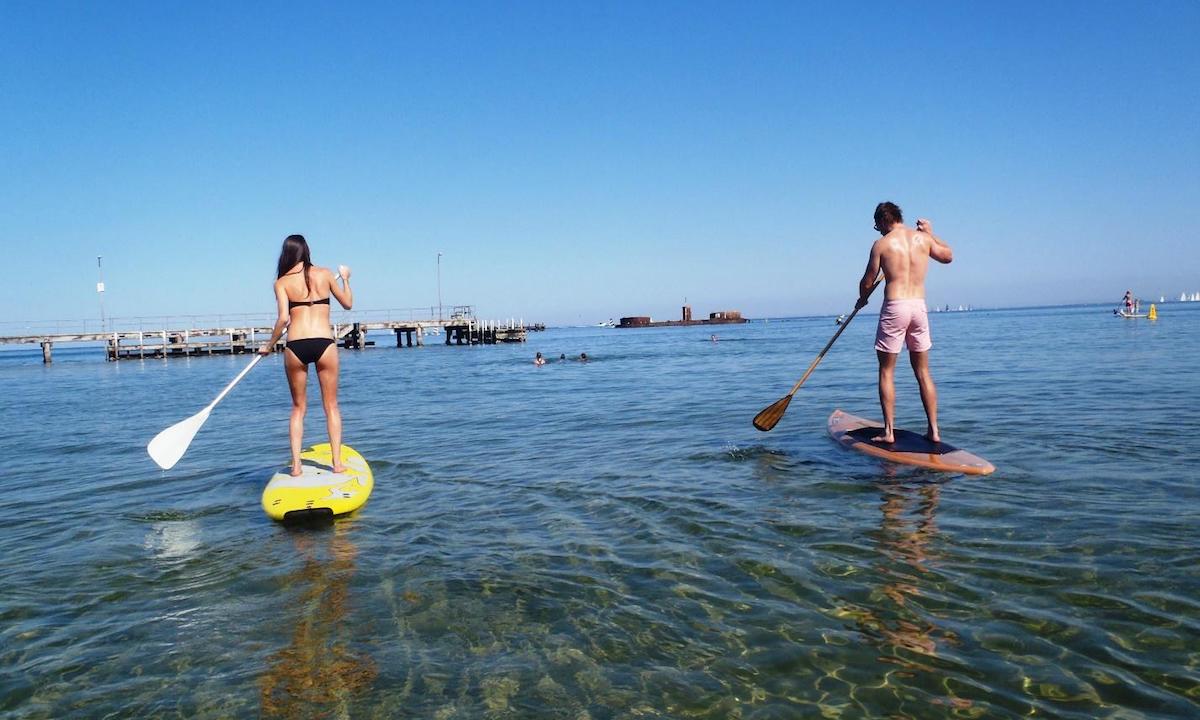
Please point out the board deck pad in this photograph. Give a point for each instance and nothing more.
(909, 448)
(319, 493)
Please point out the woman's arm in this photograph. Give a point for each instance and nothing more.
(344, 294)
(281, 322)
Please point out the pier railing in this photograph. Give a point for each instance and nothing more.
(148, 336)
(159, 323)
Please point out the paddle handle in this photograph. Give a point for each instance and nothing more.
(833, 339)
(236, 380)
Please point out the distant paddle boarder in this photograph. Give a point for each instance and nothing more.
(903, 256)
(1132, 305)
(302, 295)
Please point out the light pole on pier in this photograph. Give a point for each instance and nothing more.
(100, 290)
(439, 279)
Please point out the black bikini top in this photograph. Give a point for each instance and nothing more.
(301, 303)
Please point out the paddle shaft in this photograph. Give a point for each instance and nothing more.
(236, 380)
(832, 340)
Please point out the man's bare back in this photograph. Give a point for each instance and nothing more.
(903, 256)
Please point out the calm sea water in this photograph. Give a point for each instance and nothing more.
(614, 540)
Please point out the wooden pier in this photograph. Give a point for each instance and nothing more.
(235, 335)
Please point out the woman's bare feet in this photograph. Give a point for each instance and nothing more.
(338, 468)
(887, 437)
(932, 435)
(297, 469)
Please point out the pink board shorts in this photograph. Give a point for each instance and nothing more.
(903, 322)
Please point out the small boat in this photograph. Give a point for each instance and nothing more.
(607, 324)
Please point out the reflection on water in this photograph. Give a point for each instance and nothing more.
(894, 620)
(173, 539)
(319, 673)
(907, 530)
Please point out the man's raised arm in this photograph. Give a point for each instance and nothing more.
(938, 250)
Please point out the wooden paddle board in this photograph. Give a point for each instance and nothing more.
(909, 449)
(318, 492)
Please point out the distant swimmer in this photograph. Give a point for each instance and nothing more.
(562, 357)
(302, 293)
(539, 360)
(713, 338)
(583, 357)
(903, 256)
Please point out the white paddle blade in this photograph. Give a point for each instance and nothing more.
(169, 445)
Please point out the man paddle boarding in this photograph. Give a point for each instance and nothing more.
(903, 256)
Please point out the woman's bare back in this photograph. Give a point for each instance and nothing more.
(308, 321)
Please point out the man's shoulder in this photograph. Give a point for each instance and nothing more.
(920, 239)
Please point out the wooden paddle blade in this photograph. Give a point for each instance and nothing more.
(771, 414)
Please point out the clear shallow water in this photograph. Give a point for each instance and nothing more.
(614, 540)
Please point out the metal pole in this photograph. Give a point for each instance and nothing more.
(439, 279)
(100, 292)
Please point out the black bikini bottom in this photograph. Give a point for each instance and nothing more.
(309, 350)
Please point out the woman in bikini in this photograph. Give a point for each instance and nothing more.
(302, 292)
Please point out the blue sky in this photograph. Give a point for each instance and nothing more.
(580, 161)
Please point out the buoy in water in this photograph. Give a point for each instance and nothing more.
(1153, 313)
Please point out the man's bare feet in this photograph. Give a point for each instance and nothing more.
(933, 436)
(297, 470)
(887, 437)
(339, 468)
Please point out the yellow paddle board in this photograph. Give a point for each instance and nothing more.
(318, 492)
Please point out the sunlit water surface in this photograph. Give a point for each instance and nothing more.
(614, 539)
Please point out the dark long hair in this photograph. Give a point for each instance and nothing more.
(295, 249)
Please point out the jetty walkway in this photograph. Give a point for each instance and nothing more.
(136, 338)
